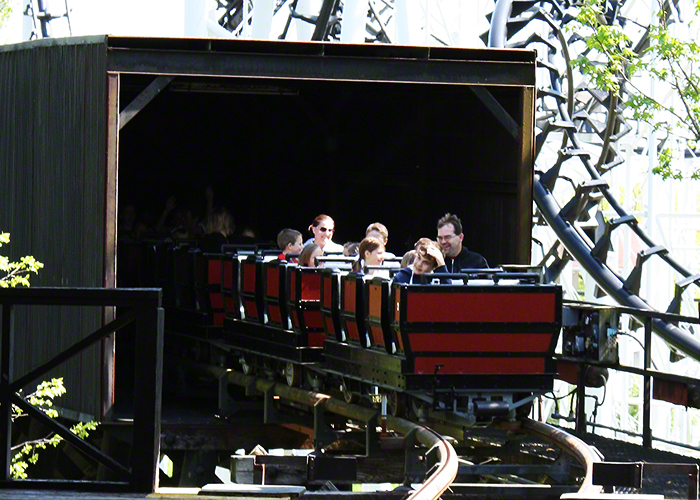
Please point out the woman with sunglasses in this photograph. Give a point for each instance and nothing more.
(322, 229)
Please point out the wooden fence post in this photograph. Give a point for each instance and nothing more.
(147, 397)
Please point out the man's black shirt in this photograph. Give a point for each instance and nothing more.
(465, 260)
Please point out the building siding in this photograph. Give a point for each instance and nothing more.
(52, 198)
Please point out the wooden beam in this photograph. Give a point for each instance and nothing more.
(497, 110)
(143, 99)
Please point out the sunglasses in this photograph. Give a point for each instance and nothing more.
(324, 229)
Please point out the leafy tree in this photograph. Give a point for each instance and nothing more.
(611, 63)
(16, 273)
(23, 454)
(5, 10)
(28, 452)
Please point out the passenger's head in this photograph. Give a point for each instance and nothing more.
(450, 236)
(408, 258)
(322, 229)
(427, 255)
(372, 251)
(289, 241)
(220, 221)
(308, 254)
(379, 231)
(422, 241)
(351, 248)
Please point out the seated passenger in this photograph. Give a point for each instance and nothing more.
(289, 241)
(371, 253)
(308, 255)
(219, 227)
(351, 248)
(322, 229)
(189, 226)
(379, 231)
(408, 258)
(457, 256)
(429, 259)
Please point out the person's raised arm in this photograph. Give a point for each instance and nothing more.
(436, 254)
(209, 193)
(169, 207)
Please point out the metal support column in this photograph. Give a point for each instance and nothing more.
(322, 433)
(646, 424)
(371, 438)
(269, 411)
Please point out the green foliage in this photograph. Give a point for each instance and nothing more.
(664, 167)
(611, 64)
(5, 10)
(27, 453)
(16, 273)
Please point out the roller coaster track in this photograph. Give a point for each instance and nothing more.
(510, 17)
(441, 476)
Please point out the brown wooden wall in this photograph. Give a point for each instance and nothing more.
(52, 194)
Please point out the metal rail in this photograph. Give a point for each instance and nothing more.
(448, 463)
(573, 446)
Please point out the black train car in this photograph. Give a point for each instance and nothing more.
(283, 130)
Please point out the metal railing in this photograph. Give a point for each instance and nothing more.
(144, 311)
(645, 318)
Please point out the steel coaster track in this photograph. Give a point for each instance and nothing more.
(439, 479)
(509, 17)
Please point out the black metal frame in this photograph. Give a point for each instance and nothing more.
(146, 313)
(648, 319)
(330, 293)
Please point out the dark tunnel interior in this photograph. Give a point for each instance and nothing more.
(279, 152)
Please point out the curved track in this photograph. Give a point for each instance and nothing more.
(442, 475)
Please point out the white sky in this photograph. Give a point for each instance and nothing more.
(94, 17)
(457, 22)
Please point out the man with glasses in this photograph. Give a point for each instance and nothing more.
(457, 257)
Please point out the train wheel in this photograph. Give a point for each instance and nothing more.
(397, 403)
(292, 374)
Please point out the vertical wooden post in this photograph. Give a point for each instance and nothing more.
(147, 398)
(110, 242)
(525, 175)
(646, 417)
(5, 378)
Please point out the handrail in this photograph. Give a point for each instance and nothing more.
(147, 317)
(647, 318)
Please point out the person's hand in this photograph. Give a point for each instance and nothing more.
(209, 193)
(170, 204)
(436, 254)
